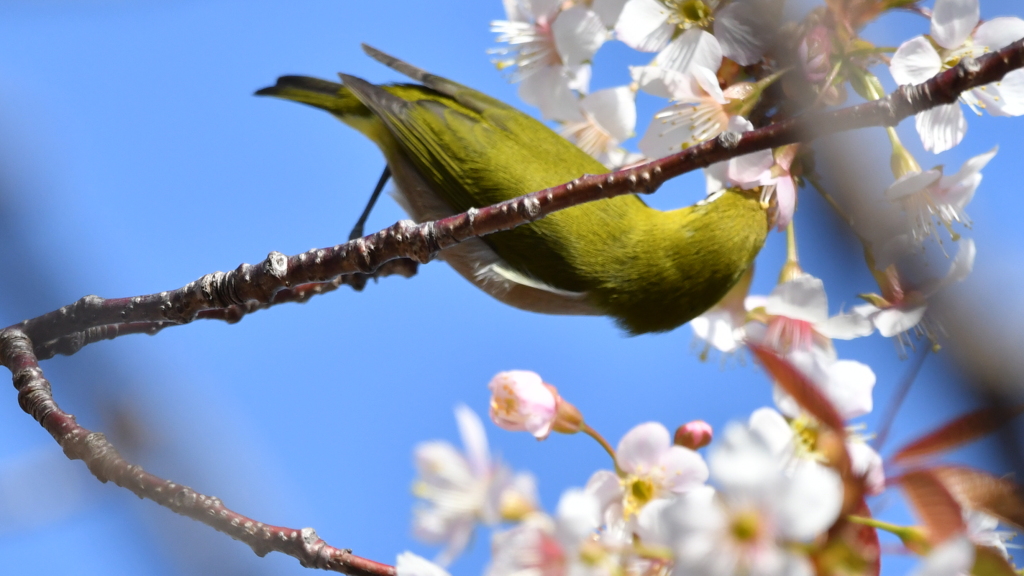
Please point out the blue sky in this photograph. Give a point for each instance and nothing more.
(135, 159)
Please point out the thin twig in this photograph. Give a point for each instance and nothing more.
(897, 401)
(103, 460)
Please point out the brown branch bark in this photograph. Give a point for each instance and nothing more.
(261, 282)
(36, 398)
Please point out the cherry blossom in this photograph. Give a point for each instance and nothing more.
(673, 27)
(551, 49)
(722, 326)
(702, 110)
(608, 118)
(951, 40)
(749, 523)
(796, 438)
(847, 384)
(903, 308)
(796, 318)
(460, 490)
(928, 196)
(521, 401)
(552, 546)
(650, 468)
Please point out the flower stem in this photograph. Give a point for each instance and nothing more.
(586, 429)
(791, 253)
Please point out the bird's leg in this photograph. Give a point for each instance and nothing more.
(357, 230)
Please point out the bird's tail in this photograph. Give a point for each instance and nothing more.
(330, 96)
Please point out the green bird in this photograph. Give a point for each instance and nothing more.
(450, 148)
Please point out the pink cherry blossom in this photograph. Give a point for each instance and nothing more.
(520, 401)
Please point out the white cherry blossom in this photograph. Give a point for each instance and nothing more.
(459, 490)
(722, 326)
(701, 111)
(551, 49)
(559, 546)
(797, 319)
(608, 118)
(758, 511)
(954, 37)
(742, 27)
(651, 468)
(928, 196)
(905, 310)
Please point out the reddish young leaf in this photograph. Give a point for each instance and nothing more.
(934, 504)
(962, 430)
(984, 492)
(989, 562)
(799, 386)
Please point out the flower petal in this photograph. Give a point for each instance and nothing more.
(614, 110)
(942, 127)
(471, 429)
(915, 61)
(802, 298)
(849, 388)
(741, 462)
(998, 33)
(1005, 97)
(743, 30)
(811, 501)
(867, 464)
(578, 34)
(846, 327)
(578, 515)
(641, 448)
(953, 21)
(608, 11)
(694, 47)
(785, 199)
(643, 25)
(962, 264)
(749, 170)
(549, 90)
(684, 469)
(911, 183)
(409, 564)
(893, 321)
(773, 429)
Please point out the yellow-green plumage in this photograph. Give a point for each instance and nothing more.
(648, 269)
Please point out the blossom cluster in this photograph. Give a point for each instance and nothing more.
(783, 491)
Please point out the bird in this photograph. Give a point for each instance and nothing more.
(450, 148)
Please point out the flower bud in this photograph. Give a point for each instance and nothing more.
(521, 401)
(568, 419)
(693, 435)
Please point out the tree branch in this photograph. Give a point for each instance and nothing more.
(103, 460)
(261, 282)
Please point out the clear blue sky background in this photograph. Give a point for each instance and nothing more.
(134, 159)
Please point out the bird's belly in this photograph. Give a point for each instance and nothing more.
(475, 261)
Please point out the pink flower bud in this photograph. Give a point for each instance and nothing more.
(693, 435)
(521, 401)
